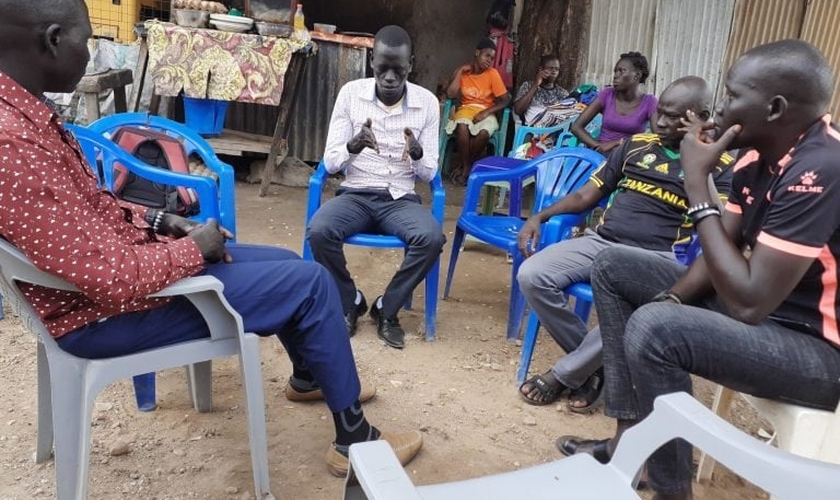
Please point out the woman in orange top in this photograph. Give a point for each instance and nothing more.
(482, 94)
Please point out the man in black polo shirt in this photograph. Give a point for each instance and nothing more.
(766, 324)
(644, 180)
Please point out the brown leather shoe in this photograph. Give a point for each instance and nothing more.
(367, 392)
(406, 445)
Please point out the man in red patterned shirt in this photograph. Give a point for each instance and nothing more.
(53, 211)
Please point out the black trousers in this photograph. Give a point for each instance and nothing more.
(376, 212)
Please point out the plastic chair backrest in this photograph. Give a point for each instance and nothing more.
(498, 140)
(70, 384)
(563, 172)
(564, 137)
(194, 144)
(375, 473)
(102, 153)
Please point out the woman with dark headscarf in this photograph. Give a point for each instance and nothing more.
(626, 109)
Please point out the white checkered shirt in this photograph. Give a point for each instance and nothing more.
(356, 102)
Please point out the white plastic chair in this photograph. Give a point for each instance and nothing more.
(68, 385)
(375, 473)
(802, 431)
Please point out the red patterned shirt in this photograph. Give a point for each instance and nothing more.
(53, 211)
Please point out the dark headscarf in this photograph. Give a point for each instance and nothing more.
(486, 43)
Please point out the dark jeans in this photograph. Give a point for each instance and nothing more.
(275, 292)
(651, 348)
(376, 212)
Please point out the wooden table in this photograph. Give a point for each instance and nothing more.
(211, 64)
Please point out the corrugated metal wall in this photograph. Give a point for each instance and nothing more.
(690, 39)
(668, 32)
(822, 19)
(334, 66)
(325, 73)
(617, 26)
(761, 21)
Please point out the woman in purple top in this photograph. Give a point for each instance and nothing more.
(625, 108)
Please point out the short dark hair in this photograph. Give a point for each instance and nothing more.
(639, 62)
(40, 11)
(394, 36)
(548, 57)
(795, 69)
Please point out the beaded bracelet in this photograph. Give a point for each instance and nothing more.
(702, 214)
(698, 207)
(158, 220)
(150, 216)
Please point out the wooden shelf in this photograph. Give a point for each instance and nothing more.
(235, 143)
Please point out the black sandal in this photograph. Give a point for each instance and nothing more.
(548, 392)
(572, 445)
(591, 392)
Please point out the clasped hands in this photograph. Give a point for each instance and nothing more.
(210, 237)
(366, 139)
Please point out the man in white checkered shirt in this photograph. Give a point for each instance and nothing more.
(384, 135)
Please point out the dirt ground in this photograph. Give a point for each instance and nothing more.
(458, 390)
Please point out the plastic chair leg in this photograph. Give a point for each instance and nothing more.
(720, 407)
(44, 439)
(528, 344)
(73, 399)
(582, 309)
(432, 280)
(255, 404)
(200, 384)
(457, 241)
(517, 301)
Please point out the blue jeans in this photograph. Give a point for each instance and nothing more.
(275, 292)
(650, 349)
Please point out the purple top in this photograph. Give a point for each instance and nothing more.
(617, 126)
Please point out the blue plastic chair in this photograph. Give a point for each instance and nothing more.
(497, 140)
(194, 144)
(98, 148)
(316, 184)
(582, 292)
(558, 173)
(565, 139)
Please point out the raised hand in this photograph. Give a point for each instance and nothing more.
(364, 139)
(540, 76)
(699, 152)
(412, 149)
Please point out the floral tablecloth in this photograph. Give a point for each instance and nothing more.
(214, 64)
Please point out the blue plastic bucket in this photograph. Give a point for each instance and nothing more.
(205, 116)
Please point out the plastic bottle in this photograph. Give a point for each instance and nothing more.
(301, 33)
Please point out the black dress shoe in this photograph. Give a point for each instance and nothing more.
(388, 329)
(351, 319)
